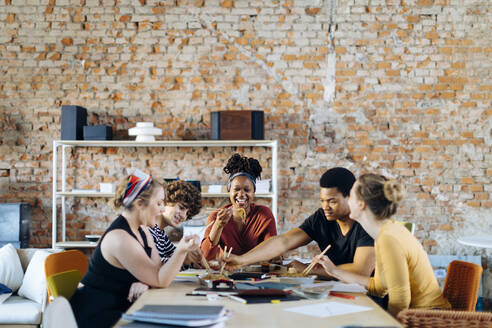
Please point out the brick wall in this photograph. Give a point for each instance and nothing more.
(404, 89)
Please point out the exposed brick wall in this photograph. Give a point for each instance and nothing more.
(405, 90)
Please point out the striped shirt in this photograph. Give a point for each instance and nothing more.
(164, 246)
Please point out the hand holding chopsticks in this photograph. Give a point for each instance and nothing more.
(313, 263)
(226, 256)
(204, 260)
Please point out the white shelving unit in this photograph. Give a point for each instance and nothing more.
(63, 193)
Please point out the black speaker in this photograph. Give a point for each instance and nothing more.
(14, 220)
(98, 132)
(73, 118)
(237, 125)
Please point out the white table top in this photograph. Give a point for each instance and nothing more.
(270, 315)
(477, 241)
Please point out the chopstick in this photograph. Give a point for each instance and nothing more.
(206, 265)
(227, 256)
(312, 264)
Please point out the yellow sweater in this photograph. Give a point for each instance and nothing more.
(403, 271)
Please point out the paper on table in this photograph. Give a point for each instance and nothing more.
(337, 286)
(328, 309)
(348, 288)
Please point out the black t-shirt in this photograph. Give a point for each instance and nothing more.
(326, 233)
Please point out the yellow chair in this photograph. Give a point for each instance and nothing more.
(64, 283)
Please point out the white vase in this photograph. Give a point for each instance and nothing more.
(145, 131)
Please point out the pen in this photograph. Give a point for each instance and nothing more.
(350, 297)
(237, 299)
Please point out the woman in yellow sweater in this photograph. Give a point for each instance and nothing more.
(403, 271)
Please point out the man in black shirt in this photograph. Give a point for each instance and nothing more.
(351, 247)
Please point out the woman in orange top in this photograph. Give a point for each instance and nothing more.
(403, 271)
(242, 224)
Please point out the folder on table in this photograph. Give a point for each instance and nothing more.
(179, 315)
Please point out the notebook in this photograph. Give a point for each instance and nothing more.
(179, 315)
(181, 312)
(174, 322)
(136, 324)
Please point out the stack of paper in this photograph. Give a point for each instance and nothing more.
(180, 315)
(323, 310)
(336, 286)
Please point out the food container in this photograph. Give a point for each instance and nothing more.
(266, 267)
(313, 292)
(214, 280)
(249, 276)
(298, 280)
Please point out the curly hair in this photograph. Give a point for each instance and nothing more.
(183, 192)
(238, 163)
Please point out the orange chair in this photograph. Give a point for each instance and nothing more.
(414, 318)
(461, 285)
(461, 290)
(65, 261)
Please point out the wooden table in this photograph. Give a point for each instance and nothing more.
(269, 315)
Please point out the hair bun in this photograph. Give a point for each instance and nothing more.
(393, 191)
(238, 163)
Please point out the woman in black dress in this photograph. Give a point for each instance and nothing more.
(126, 254)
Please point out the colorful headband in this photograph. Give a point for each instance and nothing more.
(139, 181)
(246, 174)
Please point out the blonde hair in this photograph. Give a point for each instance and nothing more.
(145, 195)
(381, 194)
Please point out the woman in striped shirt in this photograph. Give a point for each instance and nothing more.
(182, 201)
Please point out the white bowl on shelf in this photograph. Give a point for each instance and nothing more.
(93, 238)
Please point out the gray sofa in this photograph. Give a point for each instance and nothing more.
(18, 311)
